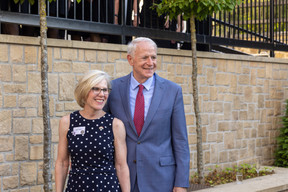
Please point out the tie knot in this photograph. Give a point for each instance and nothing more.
(141, 87)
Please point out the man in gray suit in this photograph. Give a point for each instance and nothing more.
(158, 152)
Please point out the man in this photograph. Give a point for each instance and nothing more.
(158, 152)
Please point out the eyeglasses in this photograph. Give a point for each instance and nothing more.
(97, 90)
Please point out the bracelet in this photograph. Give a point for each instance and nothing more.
(116, 15)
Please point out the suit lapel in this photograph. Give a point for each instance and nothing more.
(155, 102)
(125, 95)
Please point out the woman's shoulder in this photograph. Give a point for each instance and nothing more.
(117, 122)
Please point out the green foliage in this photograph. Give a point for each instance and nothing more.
(282, 142)
(199, 8)
(30, 1)
(228, 175)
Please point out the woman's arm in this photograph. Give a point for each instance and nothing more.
(121, 155)
(62, 161)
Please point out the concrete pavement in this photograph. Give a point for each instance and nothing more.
(277, 182)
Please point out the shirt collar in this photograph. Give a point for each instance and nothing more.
(147, 84)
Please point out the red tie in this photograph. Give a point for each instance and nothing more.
(139, 110)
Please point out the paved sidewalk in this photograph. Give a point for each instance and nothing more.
(277, 182)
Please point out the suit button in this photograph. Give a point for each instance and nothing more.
(134, 161)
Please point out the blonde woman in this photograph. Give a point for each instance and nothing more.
(93, 140)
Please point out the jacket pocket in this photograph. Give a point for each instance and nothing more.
(166, 161)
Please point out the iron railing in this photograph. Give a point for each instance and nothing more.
(258, 24)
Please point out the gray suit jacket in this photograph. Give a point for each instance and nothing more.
(160, 156)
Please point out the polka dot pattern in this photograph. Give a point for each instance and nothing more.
(92, 155)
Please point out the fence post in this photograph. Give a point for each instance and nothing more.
(272, 54)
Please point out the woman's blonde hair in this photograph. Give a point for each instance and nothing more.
(89, 80)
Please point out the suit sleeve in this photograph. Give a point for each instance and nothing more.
(180, 142)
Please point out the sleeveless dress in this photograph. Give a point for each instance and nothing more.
(91, 148)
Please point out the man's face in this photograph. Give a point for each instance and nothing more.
(144, 61)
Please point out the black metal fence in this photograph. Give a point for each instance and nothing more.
(258, 24)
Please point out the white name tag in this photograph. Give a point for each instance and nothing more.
(78, 131)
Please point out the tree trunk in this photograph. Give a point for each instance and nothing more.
(196, 101)
(45, 100)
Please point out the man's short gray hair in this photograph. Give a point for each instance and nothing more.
(133, 44)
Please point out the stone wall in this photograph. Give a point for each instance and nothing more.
(241, 101)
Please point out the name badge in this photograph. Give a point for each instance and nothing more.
(78, 131)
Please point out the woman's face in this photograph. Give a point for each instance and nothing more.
(98, 96)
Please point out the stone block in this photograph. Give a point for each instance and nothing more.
(6, 143)
(109, 68)
(26, 189)
(223, 156)
(31, 112)
(62, 66)
(28, 173)
(16, 53)
(223, 79)
(66, 87)
(19, 112)
(90, 56)
(21, 147)
(80, 67)
(37, 125)
(122, 68)
(229, 140)
(36, 139)
(40, 179)
(36, 152)
(34, 82)
(31, 54)
(10, 182)
(28, 100)
(10, 101)
(14, 88)
(22, 125)
(4, 52)
(101, 56)
(5, 73)
(69, 54)
(5, 169)
(113, 56)
(53, 83)
(38, 188)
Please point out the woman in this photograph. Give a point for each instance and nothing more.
(93, 140)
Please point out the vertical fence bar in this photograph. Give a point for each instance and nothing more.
(82, 10)
(259, 20)
(220, 18)
(255, 19)
(224, 19)
(251, 20)
(272, 28)
(106, 20)
(229, 24)
(48, 8)
(267, 19)
(57, 8)
(234, 24)
(263, 19)
(238, 20)
(277, 20)
(123, 21)
(247, 21)
(286, 22)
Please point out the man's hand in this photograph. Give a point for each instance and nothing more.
(179, 189)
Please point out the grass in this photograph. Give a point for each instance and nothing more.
(219, 176)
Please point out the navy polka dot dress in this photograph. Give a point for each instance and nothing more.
(91, 147)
